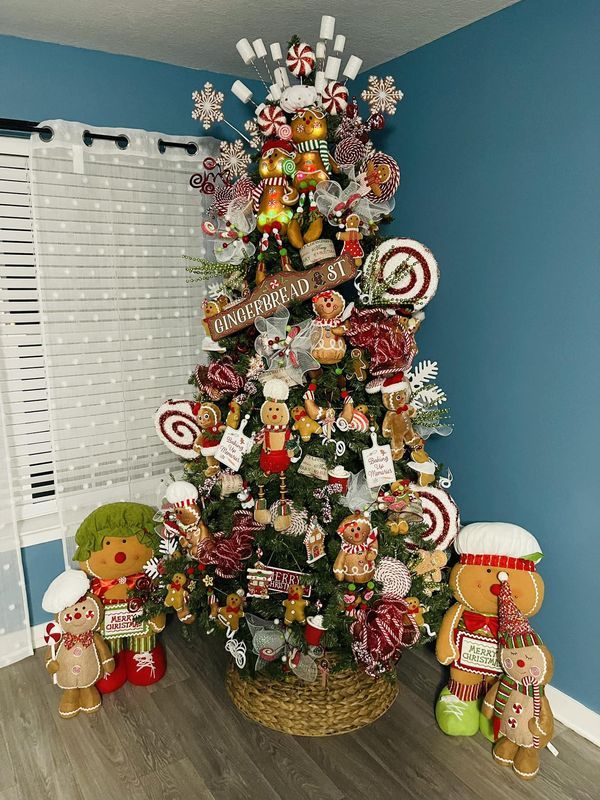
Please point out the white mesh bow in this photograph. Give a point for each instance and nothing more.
(336, 203)
(358, 497)
(284, 346)
(232, 245)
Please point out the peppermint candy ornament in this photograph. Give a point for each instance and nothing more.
(349, 152)
(334, 98)
(400, 272)
(269, 119)
(176, 425)
(395, 577)
(300, 59)
(440, 514)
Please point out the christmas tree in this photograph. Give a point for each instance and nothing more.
(312, 525)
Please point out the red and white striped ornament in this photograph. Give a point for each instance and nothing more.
(300, 59)
(440, 515)
(419, 280)
(334, 98)
(394, 576)
(269, 119)
(176, 425)
(52, 636)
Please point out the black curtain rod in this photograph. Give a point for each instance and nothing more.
(25, 126)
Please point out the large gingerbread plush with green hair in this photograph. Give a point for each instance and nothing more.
(467, 642)
(114, 542)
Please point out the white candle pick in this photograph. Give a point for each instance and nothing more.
(276, 53)
(282, 77)
(327, 27)
(275, 91)
(332, 68)
(259, 48)
(320, 50)
(245, 50)
(320, 81)
(339, 44)
(241, 91)
(352, 67)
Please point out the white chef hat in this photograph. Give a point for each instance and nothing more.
(181, 493)
(497, 539)
(65, 590)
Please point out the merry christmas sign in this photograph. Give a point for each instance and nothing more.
(280, 290)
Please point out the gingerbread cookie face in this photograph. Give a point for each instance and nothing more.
(208, 416)
(84, 615)
(329, 305)
(533, 661)
(274, 413)
(395, 400)
(355, 529)
(478, 587)
(311, 124)
(271, 163)
(117, 557)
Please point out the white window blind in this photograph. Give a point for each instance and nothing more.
(22, 378)
(121, 328)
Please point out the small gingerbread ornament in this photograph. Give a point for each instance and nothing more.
(177, 598)
(209, 419)
(431, 563)
(181, 516)
(329, 346)
(229, 615)
(295, 605)
(275, 455)
(397, 423)
(356, 559)
(351, 237)
(305, 426)
(82, 656)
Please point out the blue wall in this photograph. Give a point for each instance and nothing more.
(498, 139)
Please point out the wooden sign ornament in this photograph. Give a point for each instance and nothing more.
(280, 290)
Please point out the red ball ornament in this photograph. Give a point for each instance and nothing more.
(376, 122)
(352, 109)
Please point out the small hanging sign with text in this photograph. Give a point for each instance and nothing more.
(233, 447)
(280, 290)
(379, 465)
(281, 579)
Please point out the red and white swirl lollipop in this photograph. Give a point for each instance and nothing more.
(349, 151)
(395, 577)
(52, 636)
(407, 271)
(269, 119)
(300, 59)
(176, 425)
(382, 175)
(440, 514)
(334, 98)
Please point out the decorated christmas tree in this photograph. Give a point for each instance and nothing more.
(311, 526)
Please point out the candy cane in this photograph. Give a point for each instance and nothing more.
(537, 703)
(52, 637)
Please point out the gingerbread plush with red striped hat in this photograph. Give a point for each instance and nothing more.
(517, 704)
(397, 423)
(468, 638)
(208, 416)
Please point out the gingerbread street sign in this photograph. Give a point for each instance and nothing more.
(280, 290)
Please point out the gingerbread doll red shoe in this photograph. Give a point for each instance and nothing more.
(114, 542)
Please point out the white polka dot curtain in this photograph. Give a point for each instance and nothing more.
(121, 327)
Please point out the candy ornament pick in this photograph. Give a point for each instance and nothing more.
(440, 515)
(177, 427)
(334, 97)
(270, 118)
(52, 636)
(394, 576)
(381, 178)
(300, 60)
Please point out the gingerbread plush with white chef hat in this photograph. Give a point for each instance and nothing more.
(517, 703)
(275, 455)
(468, 638)
(82, 656)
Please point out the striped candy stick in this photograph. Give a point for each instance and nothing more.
(52, 636)
(537, 703)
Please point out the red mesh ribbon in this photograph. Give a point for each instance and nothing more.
(390, 346)
(218, 379)
(228, 553)
(381, 633)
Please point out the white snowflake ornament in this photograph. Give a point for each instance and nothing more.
(233, 159)
(208, 104)
(382, 95)
(254, 134)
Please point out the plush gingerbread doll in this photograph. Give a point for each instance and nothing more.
(305, 426)
(82, 656)
(230, 615)
(329, 346)
(114, 542)
(273, 198)
(523, 721)
(351, 237)
(209, 420)
(295, 605)
(177, 598)
(397, 423)
(182, 516)
(275, 456)
(356, 560)
(468, 637)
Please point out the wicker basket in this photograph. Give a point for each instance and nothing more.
(350, 701)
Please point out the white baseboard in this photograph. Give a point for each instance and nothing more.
(574, 715)
(566, 709)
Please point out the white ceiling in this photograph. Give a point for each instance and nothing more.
(202, 33)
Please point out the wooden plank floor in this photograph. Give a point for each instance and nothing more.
(182, 738)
